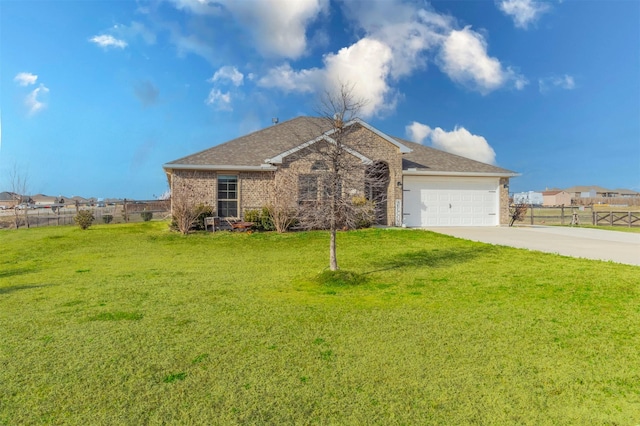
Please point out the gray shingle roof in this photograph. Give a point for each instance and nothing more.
(424, 158)
(253, 149)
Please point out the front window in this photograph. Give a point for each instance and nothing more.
(308, 188)
(227, 196)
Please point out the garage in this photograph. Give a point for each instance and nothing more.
(450, 201)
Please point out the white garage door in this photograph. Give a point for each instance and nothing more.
(450, 201)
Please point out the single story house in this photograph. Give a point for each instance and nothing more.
(626, 193)
(590, 192)
(424, 186)
(41, 200)
(556, 197)
(8, 199)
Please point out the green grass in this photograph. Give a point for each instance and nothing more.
(635, 229)
(132, 324)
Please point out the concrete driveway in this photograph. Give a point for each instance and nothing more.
(619, 247)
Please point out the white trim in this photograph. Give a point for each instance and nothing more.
(230, 168)
(403, 148)
(326, 136)
(410, 172)
(279, 158)
(471, 201)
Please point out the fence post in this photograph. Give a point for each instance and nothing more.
(531, 215)
(611, 218)
(629, 212)
(562, 214)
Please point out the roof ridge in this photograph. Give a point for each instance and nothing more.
(248, 135)
(450, 153)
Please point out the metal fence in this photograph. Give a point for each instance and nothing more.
(128, 211)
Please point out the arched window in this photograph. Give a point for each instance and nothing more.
(375, 188)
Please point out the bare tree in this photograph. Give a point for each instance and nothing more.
(185, 207)
(19, 184)
(517, 212)
(282, 200)
(337, 194)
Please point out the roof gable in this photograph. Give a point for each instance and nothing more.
(278, 158)
(260, 149)
(251, 150)
(427, 160)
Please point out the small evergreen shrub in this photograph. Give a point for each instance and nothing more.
(84, 219)
(261, 219)
(146, 216)
(203, 211)
(107, 218)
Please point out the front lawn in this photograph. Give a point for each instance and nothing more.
(132, 324)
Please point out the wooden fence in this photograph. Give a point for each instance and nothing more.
(629, 218)
(580, 215)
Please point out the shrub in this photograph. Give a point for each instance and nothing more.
(202, 211)
(107, 218)
(84, 219)
(365, 212)
(517, 212)
(261, 219)
(187, 217)
(146, 216)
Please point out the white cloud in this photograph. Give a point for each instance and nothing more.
(135, 29)
(288, 80)
(523, 12)
(396, 39)
(107, 41)
(192, 44)
(218, 100)
(25, 78)
(225, 75)
(279, 27)
(199, 7)
(410, 32)
(399, 39)
(417, 132)
(565, 82)
(459, 141)
(364, 66)
(33, 100)
(228, 73)
(465, 60)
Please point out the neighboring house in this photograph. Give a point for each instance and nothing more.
(12, 199)
(42, 200)
(424, 186)
(556, 197)
(8, 199)
(627, 193)
(530, 197)
(590, 192)
(585, 195)
(76, 200)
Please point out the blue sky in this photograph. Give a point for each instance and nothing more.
(96, 95)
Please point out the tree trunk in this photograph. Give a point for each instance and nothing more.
(333, 260)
